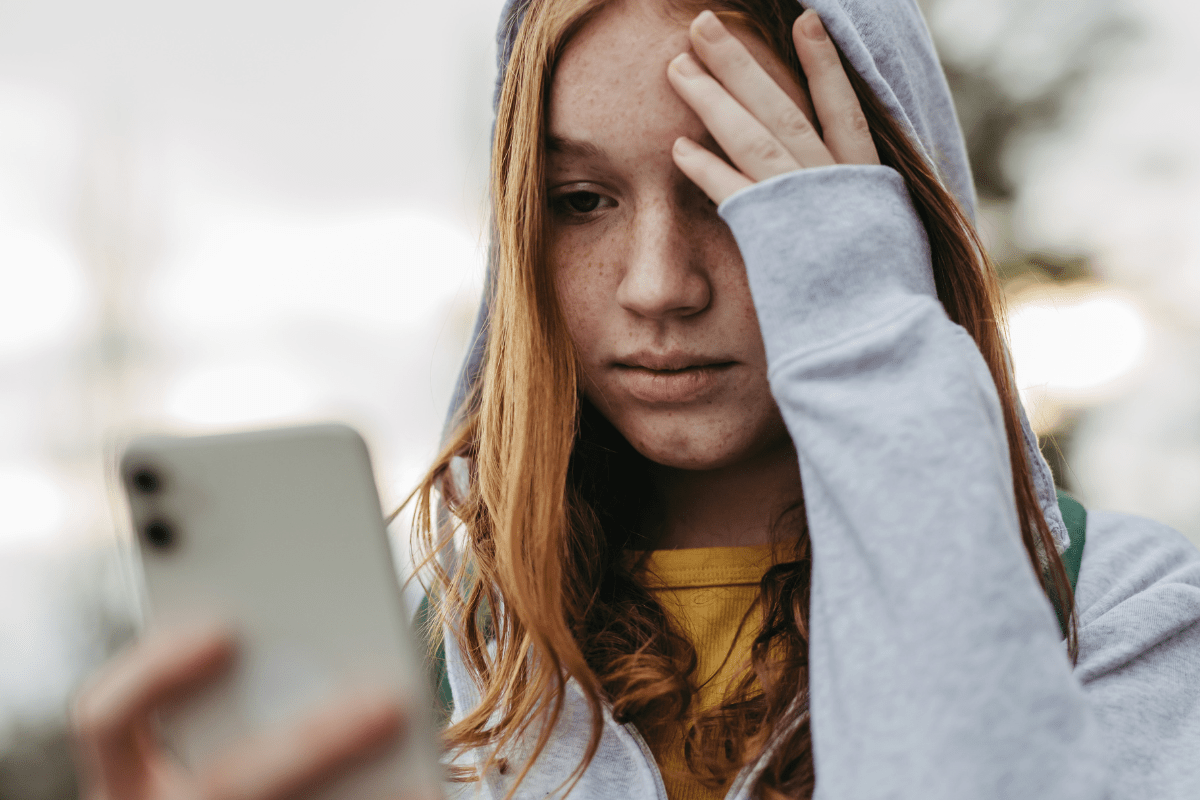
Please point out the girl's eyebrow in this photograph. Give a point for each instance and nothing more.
(563, 145)
(579, 148)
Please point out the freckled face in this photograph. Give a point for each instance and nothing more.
(649, 277)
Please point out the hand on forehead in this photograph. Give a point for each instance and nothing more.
(762, 132)
(610, 89)
(725, 90)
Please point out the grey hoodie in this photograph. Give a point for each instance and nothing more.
(937, 668)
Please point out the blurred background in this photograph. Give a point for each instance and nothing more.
(233, 214)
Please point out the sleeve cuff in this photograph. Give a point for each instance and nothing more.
(829, 251)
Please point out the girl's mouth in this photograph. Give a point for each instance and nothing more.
(673, 386)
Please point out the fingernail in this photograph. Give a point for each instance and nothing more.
(684, 145)
(686, 66)
(709, 27)
(812, 26)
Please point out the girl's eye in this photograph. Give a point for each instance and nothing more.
(580, 203)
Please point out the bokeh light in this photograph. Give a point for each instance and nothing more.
(1073, 347)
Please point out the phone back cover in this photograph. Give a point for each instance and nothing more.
(281, 532)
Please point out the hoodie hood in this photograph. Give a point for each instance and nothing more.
(889, 45)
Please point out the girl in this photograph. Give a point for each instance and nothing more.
(748, 504)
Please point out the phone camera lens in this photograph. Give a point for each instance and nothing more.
(160, 534)
(146, 480)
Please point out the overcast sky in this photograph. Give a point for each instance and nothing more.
(334, 101)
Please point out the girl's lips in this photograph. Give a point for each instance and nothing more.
(672, 386)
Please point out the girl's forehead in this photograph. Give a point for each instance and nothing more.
(623, 41)
(614, 71)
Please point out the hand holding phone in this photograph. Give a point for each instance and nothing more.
(121, 758)
(280, 534)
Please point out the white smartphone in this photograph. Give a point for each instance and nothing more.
(279, 532)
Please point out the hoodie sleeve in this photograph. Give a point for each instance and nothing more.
(937, 669)
(1139, 652)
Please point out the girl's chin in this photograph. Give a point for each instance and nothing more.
(699, 450)
(698, 436)
(699, 463)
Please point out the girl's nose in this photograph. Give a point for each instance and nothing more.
(664, 275)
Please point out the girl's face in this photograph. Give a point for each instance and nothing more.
(649, 277)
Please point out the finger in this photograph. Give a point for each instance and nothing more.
(740, 73)
(110, 712)
(847, 134)
(715, 178)
(750, 146)
(311, 752)
(140, 771)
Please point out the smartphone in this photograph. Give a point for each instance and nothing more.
(280, 533)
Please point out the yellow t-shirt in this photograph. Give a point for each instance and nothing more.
(707, 591)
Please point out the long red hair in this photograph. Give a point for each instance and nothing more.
(549, 501)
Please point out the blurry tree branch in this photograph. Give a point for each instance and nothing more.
(998, 108)
(1003, 101)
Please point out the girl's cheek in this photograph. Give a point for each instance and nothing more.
(576, 296)
(582, 295)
